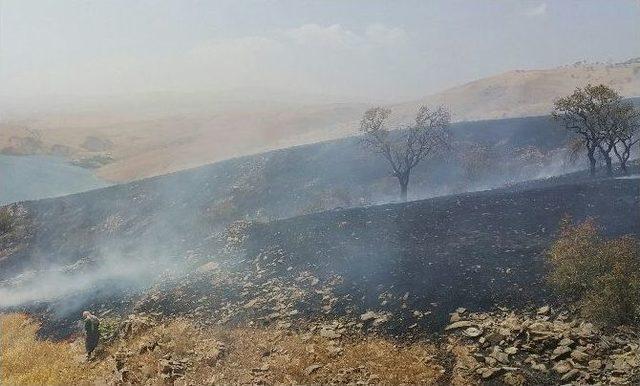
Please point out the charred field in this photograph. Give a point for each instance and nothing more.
(290, 246)
(408, 265)
(399, 269)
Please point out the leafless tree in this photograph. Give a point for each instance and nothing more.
(405, 147)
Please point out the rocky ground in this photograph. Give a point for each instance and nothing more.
(545, 347)
(540, 346)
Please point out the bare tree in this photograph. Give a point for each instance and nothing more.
(406, 147)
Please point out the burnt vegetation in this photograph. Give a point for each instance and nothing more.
(308, 243)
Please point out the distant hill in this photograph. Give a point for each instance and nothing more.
(154, 134)
(529, 92)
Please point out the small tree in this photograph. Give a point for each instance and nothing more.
(404, 149)
(592, 113)
(625, 132)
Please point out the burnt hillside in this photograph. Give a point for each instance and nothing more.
(405, 267)
(400, 268)
(168, 215)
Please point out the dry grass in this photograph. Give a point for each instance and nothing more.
(215, 355)
(219, 355)
(26, 360)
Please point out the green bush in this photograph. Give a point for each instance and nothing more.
(108, 328)
(602, 276)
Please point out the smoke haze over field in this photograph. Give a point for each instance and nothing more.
(207, 120)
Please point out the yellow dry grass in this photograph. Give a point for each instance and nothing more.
(25, 360)
(216, 356)
(271, 356)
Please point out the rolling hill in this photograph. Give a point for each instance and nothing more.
(148, 135)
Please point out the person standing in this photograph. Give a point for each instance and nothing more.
(92, 335)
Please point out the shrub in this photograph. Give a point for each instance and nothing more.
(602, 276)
(6, 221)
(108, 329)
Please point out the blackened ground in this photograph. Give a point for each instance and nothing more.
(411, 264)
(474, 250)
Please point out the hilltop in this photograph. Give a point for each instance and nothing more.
(521, 93)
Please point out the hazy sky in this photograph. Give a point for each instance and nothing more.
(364, 49)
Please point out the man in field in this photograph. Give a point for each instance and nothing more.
(91, 323)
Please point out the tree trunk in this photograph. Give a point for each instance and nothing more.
(623, 167)
(403, 190)
(624, 157)
(403, 179)
(606, 154)
(592, 162)
(607, 160)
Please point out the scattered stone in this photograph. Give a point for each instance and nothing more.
(511, 350)
(473, 332)
(595, 364)
(329, 333)
(460, 324)
(544, 310)
(580, 355)
(570, 375)
(561, 352)
(311, 369)
(562, 367)
(539, 367)
(574, 349)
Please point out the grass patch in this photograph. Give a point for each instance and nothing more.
(26, 360)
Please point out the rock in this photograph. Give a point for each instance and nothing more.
(514, 379)
(544, 310)
(473, 332)
(368, 316)
(310, 369)
(208, 267)
(460, 324)
(580, 356)
(562, 367)
(570, 375)
(329, 333)
(566, 342)
(499, 355)
(511, 350)
(488, 373)
(621, 364)
(461, 310)
(595, 364)
(455, 317)
(378, 318)
(561, 352)
(490, 361)
(539, 367)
